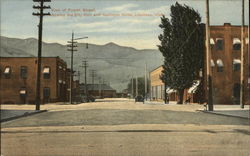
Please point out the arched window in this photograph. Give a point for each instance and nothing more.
(236, 64)
(46, 72)
(236, 44)
(219, 44)
(220, 65)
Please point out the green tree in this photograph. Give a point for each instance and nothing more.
(182, 46)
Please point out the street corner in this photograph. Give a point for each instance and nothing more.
(7, 114)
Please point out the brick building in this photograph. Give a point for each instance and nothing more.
(99, 90)
(18, 80)
(225, 44)
(225, 63)
(158, 88)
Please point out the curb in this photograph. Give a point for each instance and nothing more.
(204, 111)
(24, 115)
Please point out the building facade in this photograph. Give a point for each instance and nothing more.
(225, 44)
(18, 80)
(158, 89)
(226, 61)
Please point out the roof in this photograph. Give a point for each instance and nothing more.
(33, 57)
(155, 68)
(96, 87)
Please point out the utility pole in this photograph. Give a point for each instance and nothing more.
(132, 87)
(100, 83)
(208, 59)
(136, 85)
(85, 65)
(242, 58)
(72, 49)
(146, 84)
(103, 82)
(79, 76)
(41, 7)
(93, 74)
(72, 45)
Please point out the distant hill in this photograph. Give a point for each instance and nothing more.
(113, 62)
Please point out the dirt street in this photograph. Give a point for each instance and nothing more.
(113, 127)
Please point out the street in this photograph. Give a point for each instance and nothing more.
(111, 127)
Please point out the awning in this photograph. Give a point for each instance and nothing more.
(212, 41)
(194, 87)
(236, 61)
(236, 41)
(168, 90)
(212, 63)
(46, 70)
(220, 63)
(23, 92)
(7, 70)
(219, 39)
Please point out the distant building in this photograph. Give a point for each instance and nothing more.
(99, 90)
(158, 89)
(18, 80)
(226, 59)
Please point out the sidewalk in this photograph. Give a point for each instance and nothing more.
(231, 110)
(226, 110)
(10, 114)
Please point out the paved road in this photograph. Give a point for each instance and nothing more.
(121, 127)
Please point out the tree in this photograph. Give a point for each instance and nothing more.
(182, 46)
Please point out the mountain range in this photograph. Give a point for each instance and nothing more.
(114, 63)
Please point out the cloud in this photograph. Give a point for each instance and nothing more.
(93, 25)
(121, 8)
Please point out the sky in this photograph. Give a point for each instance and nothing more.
(132, 23)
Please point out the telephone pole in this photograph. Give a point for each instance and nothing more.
(136, 85)
(242, 57)
(208, 59)
(100, 86)
(93, 74)
(85, 65)
(40, 7)
(132, 87)
(146, 84)
(72, 45)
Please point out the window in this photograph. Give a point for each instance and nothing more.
(7, 72)
(236, 65)
(219, 65)
(46, 72)
(212, 43)
(236, 44)
(23, 72)
(22, 92)
(212, 63)
(219, 44)
(46, 92)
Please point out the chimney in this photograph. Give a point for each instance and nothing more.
(227, 24)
